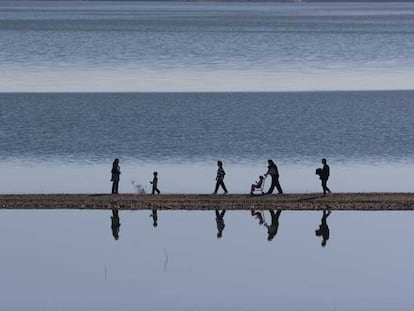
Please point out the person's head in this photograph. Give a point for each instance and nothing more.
(219, 163)
(155, 224)
(155, 173)
(115, 163)
(323, 161)
(270, 162)
(219, 235)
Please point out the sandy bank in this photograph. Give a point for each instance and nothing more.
(339, 201)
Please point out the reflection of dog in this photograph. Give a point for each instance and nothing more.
(318, 172)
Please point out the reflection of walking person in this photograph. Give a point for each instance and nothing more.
(324, 176)
(323, 228)
(154, 183)
(272, 229)
(273, 171)
(220, 178)
(154, 216)
(115, 172)
(220, 223)
(115, 224)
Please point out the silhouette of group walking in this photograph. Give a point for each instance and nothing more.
(272, 170)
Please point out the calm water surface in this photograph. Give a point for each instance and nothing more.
(156, 46)
(69, 260)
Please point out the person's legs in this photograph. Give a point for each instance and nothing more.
(223, 186)
(272, 186)
(217, 186)
(115, 187)
(279, 188)
(324, 187)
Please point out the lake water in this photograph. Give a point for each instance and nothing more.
(69, 260)
(174, 87)
(67, 142)
(146, 46)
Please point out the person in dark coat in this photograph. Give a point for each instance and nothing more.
(220, 178)
(273, 171)
(324, 176)
(115, 173)
(154, 183)
(323, 228)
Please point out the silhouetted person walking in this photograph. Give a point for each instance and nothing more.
(220, 223)
(273, 171)
(220, 178)
(323, 228)
(115, 224)
(154, 216)
(324, 176)
(154, 183)
(272, 229)
(116, 172)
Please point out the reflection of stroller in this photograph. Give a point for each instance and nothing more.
(258, 187)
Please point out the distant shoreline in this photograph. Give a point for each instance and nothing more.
(298, 202)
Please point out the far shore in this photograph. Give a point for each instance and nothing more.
(300, 202)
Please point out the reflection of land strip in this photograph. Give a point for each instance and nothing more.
(338, 201)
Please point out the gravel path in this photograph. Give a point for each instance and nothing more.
(315, 201)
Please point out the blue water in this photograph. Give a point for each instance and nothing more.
(302, 127)
(156, 46)
(69, 260)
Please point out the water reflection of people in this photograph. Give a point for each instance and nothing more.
(258, 215)
(154, 216)
(115, 224)
(272, 229)
(323, 228)
(220, 223)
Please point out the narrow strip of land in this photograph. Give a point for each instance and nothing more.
(338, 201)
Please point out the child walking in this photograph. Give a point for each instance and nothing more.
(154, 183)
(220, 178)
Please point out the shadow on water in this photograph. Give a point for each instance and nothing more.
(220, 222)
(115, 224)
(154, 216)
(274, 225)
(259, 215)
(323, 230)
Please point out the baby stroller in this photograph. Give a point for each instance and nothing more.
(258, 187)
